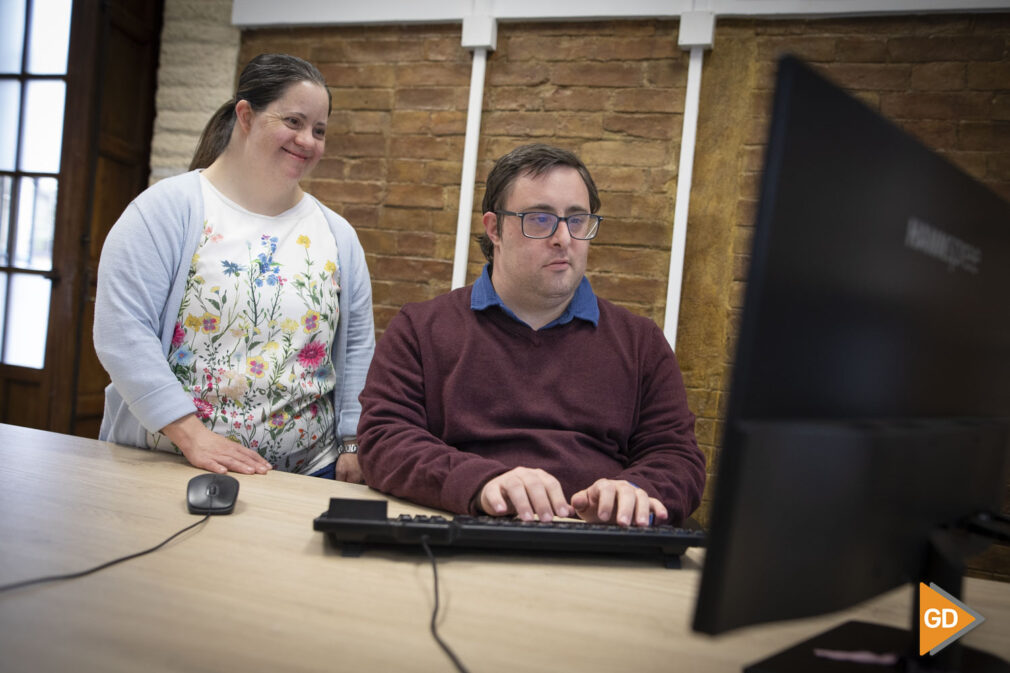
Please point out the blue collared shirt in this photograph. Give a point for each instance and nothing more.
(583, 305)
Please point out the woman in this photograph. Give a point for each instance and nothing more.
(234, 311)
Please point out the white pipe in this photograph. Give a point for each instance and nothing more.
(679, 239)
(468, 178)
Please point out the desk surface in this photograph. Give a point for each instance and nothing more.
(259, 590)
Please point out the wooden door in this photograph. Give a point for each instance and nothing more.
(111, 80)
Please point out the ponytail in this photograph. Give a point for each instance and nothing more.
(215, 137)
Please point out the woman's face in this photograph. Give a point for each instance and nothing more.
(289, 135)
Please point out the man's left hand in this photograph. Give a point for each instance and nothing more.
(618, 501)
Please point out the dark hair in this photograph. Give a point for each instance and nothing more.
(264, 79)
(532, 160)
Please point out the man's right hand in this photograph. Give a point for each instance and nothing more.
(525, 492)
(210, 451)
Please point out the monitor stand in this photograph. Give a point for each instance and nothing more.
(944, 565)
(875, 638)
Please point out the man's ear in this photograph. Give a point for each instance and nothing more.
(243, 115)
(490, 221)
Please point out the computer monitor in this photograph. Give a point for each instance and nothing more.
(869, 412)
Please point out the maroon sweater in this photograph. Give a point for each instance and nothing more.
(455, 397)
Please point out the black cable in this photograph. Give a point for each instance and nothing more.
(70, 576)
(434, 613)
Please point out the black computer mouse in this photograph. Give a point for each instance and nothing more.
(212, 494)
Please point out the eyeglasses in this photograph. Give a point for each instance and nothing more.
(583, 226)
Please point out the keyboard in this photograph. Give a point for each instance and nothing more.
(355, 524)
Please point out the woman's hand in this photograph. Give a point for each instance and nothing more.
(210, 451)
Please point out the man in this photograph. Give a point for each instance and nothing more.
(525, 393)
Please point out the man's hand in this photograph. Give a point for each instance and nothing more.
(525, 492)
(210, 451)
(618, 501)
(348, 468)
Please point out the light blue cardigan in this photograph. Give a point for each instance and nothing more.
(141, 280)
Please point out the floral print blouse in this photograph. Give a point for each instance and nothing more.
(255, 331)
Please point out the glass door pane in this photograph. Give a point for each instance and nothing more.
(36, 221)
(10, 115)
(42, 135)
(50, 39)
(27, 320)
(12, 35)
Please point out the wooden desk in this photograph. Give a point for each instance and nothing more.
(259, 590)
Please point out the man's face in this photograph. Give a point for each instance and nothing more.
(537, 274)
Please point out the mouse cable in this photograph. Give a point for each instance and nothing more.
(434, 612)
(82, 573)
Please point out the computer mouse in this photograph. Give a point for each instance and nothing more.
(212, 494)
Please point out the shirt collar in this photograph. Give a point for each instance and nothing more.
(583, 305)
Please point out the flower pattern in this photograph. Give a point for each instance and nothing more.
(252, 343)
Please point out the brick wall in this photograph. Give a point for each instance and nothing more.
(613, 92)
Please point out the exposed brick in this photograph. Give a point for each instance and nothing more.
(861, 49)
(990, 76)
(363, 76)
(405, 219)
(624, 153)
(579, 126)
(619, 179)
(1001, 107)
(998, 167)
(367, 122)
(399, 267)
(433, 74)
(649, 100)
(640, 125)
(433, 98)
(962, 105)
(580, 99)
(619, 229)
(442, 172)
(359, 215)
(877, 76)
(410, 195)
(361, 145)
(933, 132)
(945, 48)
(383, 51)
(938, 76)
(427, 147)
(627, 260)
(362, 99)
(598, 74)
(815, 48)
(984, 136)
(531, 124)
(348, 192)
(446, 48)
(448, 122)
(416, 244)
(397, 293)
(526, 73)
(667, 74)
(629, 288)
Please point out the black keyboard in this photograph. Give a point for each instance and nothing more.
(354, 524)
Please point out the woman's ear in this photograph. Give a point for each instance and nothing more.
(243, 115)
